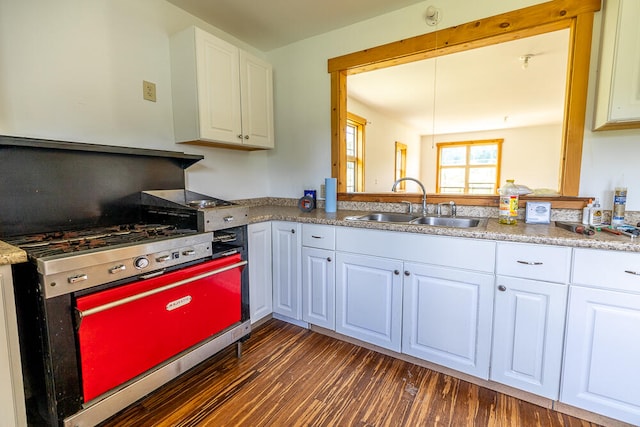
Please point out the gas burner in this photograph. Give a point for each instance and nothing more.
(61, 242)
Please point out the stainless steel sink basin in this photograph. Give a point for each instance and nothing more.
(385, 217)
(444, 221)
(441, 221)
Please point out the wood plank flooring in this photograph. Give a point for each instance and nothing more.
(290, 376)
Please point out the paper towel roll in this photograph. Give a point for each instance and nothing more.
(330, 189)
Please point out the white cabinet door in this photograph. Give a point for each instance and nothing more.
(256, 87)
(447, 317)
(601, 370)
(12, 407)
(618, 90)
(528, 333)
(369, 299)
(260, 275)
(318, 287)
(221, 95)
(218, 89)
(287, 248)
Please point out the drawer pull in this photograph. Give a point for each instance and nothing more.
(529, 262)
(502, 288)
(317, 237)
(635, 273)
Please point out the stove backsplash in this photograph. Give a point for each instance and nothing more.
(53, 185)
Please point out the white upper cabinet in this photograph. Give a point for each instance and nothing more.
(618, 92)
(222, 96)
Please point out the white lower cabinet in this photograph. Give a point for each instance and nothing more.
(447, 317)
(528, 333)
(318, 275)
(369, 299)
(318, 287)
(260, 274)
(529, 316)
(602, 350)
(287, 272)
(12, 406)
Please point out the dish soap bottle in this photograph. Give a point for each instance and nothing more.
(508, 212)
(595, 215)
(586, 212)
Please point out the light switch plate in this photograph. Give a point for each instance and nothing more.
(149, 91)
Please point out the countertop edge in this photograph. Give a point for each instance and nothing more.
(546, 234)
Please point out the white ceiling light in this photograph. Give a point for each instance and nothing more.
(525, 60)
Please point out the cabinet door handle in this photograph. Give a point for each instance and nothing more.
(293, 231)
(317, 237)
(396, 272)
(407, 273)
(328, 259)
(246, 137)
(529, 262)
(502, 288)
(635, 273)
(240, 136)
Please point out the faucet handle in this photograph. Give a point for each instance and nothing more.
(409, 206)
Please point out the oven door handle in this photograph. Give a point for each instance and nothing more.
(81, 314)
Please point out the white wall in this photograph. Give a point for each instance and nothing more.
(302, 96)
(73, 69)
(539, 145)
(382, 132)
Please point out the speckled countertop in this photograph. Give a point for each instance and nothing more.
(11, 255)
(547, 234)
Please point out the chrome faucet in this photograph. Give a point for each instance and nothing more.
(452, 207)
(424, 192)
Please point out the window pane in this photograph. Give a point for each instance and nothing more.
(483, 155)
(482, 180)
(452, 180)
(453, 156)
(351, 176)
(351, 141)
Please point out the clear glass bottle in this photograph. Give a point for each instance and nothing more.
(508, 212)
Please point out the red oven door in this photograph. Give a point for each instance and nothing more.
(127, 330)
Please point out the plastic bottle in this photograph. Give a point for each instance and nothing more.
(619, 201)
(595, 217)
(508, 203)
(586, 212)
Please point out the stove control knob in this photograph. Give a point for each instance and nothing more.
(117, 268)
(163, 258)
(141, 262)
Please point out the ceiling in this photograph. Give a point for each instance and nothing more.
(270, 24)
(476, 90)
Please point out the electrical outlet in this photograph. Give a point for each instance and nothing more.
(323, 191)
(149, 91)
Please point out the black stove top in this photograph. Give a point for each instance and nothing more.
(42, 245)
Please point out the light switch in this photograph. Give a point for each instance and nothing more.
(149, 91)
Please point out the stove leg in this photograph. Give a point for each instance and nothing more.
(239, 349)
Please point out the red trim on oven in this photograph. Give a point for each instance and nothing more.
(123, 341)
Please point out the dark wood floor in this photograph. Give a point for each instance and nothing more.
(290, 376)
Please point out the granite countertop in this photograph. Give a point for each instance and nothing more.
(11, 255)
(547, 234)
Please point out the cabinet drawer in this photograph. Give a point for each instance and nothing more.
(607, 269)
(319, 236)
(538, 262)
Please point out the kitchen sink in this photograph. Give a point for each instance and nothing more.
(439, 221)
(446, 221)
(385, 217)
